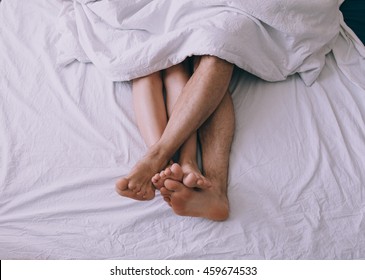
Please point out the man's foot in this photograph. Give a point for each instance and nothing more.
(137, 184)
(210, 203)
(189, 174)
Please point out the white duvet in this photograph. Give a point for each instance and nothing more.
(271, 39)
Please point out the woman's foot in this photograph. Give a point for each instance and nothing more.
(187, 173)
(138, 185)
(172, 171)
(193, 178)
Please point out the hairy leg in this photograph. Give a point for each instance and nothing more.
(175, 79)
(212, 203)
(150, 112)
(198, 100)
(188, 159)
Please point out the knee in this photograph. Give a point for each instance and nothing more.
(153, 79)
(213, 61)
(210, 59)
(176, 71)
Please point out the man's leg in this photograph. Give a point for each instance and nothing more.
(175, 78)
(216, 137)
(198, 100)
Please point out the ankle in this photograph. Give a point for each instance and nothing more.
(188, 161)
(158, 156)
(218, 180)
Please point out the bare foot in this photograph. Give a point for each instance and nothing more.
(173, 172)
(210, 203)
(187, 173)
(137, 184)
(193, 177)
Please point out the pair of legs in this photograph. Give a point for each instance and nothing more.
(203, 103)
(152, 112)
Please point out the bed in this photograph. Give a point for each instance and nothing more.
(67, 133)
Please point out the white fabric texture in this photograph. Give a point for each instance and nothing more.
(67, 133)
(271, 39)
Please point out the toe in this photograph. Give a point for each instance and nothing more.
(155, 178)
(190, 180)
(141, 193)
(177, 171)
(173, 185)
(121, 185)
(149, 194)
(203, 183)
(167, 171)
(157, 181)
(164, 191)
(166, 194)
(162, 175)
(134, 187)
(130, 194)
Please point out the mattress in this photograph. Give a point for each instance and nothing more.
(67, 133)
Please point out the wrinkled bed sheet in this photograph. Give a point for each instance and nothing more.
(296, 180)
(271, 39)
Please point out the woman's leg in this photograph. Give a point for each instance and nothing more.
(149, 107)
(150, 112)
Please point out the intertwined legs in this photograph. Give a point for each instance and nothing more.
(199, 99)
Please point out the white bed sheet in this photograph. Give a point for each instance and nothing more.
(296, 181)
